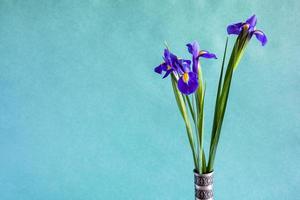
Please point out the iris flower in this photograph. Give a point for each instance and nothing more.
(188, 79)
(249, 27)
(193, 48)
(168, 65)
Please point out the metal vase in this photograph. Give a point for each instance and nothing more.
(203, 186)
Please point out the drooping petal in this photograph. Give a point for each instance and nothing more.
(235, 28)
(167, 73)
(261, 37)
(160, 68)
(206, 54)
(188, 83)
(252, 21)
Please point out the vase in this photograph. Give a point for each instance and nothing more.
(203, 186)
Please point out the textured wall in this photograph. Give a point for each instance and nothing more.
(83, 116)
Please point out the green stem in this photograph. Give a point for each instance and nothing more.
(200, 119)
(183, 110)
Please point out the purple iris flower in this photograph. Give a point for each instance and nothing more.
(193, 48)
(168, 65)
(188, 80)
(250, 27)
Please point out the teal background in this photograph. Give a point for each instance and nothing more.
(83, 116)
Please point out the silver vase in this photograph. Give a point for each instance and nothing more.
(203, 186)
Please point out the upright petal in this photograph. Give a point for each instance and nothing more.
(252, 21)
(166, 53)
(234, 28)
(206, 54)
(188, 83)
(186, 62)
(261, 37)
(193, 48)
(169, 58)
(184, 65)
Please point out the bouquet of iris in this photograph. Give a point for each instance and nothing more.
(189, 90)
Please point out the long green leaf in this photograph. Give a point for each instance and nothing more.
(191, 108)
(215, 122)
(236, 55)
(201, 133)
(182, 107)
(199, 98)
(221, 105)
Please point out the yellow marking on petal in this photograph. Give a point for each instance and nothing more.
(246, 26)
(169, 67)
(185, 77)
(202, 52)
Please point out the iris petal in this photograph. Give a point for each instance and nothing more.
(252, 21)
(206, 54)
(185, 65)
(193, 48)
(169, 57)
(186, 62)
(190, 86)
(261, 37)
(166, 54)
(234, 28)
(167, 73)
(160, 68)
(190, 48)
